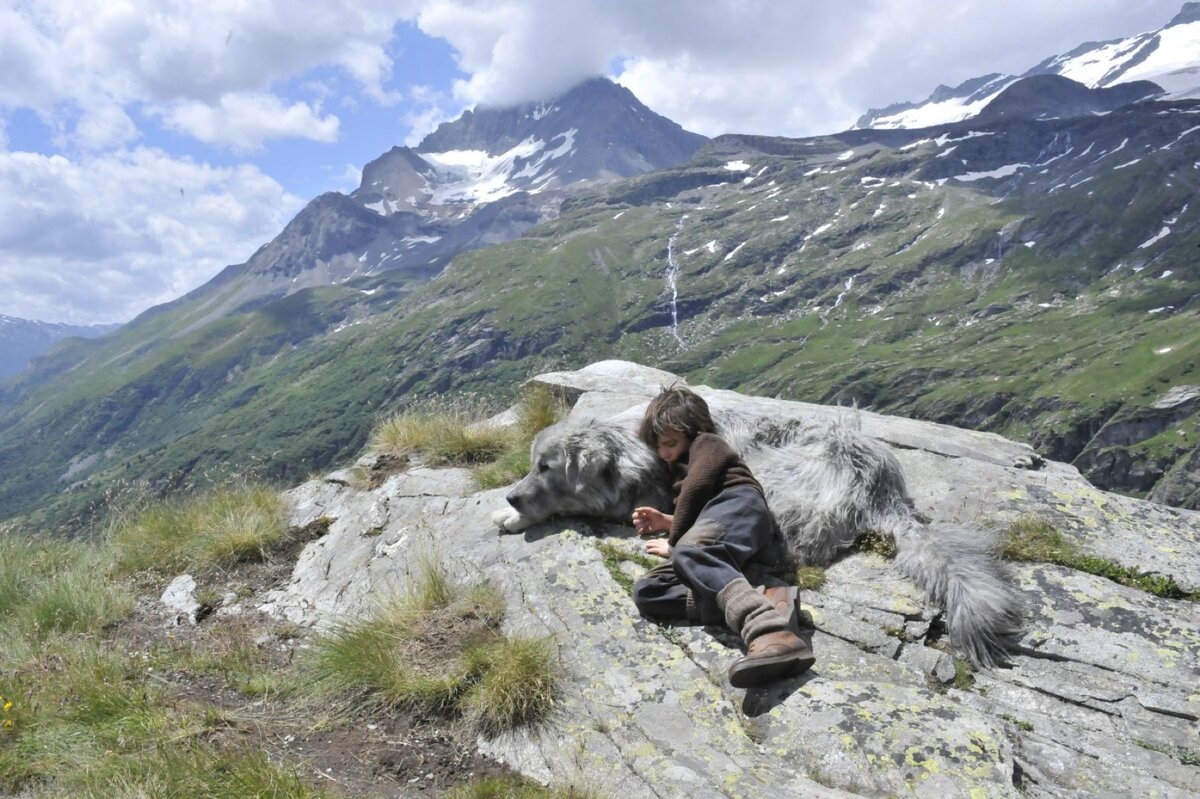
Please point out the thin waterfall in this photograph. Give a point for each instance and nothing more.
(672, 276)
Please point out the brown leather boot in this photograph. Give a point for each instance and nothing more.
(771, 656)
(786, 599)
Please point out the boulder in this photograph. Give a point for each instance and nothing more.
(1099, 699)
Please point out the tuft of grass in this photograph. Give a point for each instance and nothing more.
(515, 787)
(1036, 540)
(539, 408)
(445, 430)
(964, 678)
(436, 649)
(219, 527)
(1032, 539)
(810, 578)
(880, 544)
(516, 683)
(456, 431)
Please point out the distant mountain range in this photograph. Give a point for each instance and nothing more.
(1168, 58)
(1031, 270)
(22, 340)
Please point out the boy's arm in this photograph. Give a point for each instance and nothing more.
(651, 520)
(708, 458)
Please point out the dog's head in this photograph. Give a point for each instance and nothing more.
(587, 467)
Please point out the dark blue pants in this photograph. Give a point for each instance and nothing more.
(735, 536)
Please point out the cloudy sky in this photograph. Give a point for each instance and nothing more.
(145, 144)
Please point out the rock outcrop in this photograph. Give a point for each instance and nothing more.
(1101, 698)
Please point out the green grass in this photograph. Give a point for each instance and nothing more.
(445, 430)
(436, 649)
(614, 555)
(1188, 757)
(219, 527)
(49, 587)
(1036, 540)
(538, 408)
(964, 678)
(515, 685)
(78, 716)
(84, 722)
(455, 431)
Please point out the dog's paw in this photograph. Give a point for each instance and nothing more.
(510, 520)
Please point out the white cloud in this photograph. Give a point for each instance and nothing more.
(793, 68)
(245, 121)
(105, 126)
(101, 238)
(58, 56)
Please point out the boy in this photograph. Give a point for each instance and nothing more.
(720, 531)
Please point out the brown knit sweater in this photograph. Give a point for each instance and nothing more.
(712, 466)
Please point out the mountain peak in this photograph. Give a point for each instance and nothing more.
(1189, 13)
(602, 112)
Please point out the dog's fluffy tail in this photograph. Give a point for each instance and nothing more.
(841, 482)
(959, 572)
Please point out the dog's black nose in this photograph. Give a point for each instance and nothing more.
(515, 500)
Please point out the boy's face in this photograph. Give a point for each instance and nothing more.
(672, 445)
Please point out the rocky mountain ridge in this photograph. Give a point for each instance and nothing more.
(1168, 58)
(1098, 698)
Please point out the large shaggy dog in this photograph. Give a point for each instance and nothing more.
(826, 484)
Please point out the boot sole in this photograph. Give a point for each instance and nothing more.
(768, 669)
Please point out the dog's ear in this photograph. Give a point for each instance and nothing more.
(588, 465)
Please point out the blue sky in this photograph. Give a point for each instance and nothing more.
(146, 144)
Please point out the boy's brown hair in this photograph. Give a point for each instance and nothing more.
(675, 408)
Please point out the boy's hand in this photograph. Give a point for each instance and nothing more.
(649, 520)
(658, 547)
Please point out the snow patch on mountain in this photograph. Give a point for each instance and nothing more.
(1174, 64)
(999, 172)
(473, 176)
(1166, 231)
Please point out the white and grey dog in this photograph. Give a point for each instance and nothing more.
(827, 484)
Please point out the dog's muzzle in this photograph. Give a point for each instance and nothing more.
(515, 499)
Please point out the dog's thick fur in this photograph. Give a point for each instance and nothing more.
(826, 485)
